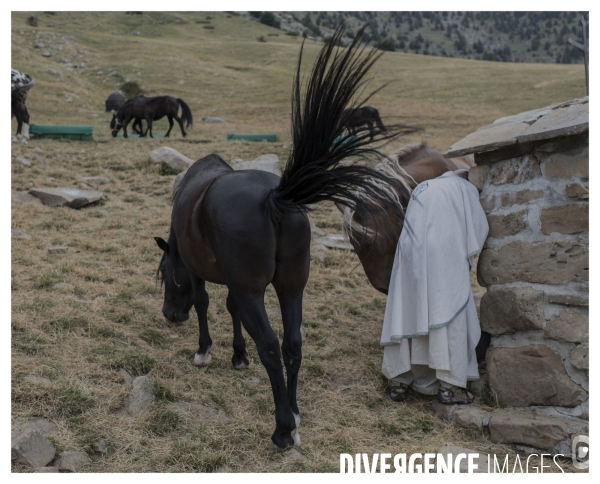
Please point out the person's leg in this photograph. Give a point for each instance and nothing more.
(396, 368)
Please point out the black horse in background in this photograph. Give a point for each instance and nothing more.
(247, 229)
(137, 122)
(20, 84)
(152, 109)
(355, 117)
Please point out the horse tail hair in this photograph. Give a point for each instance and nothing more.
(314, 171)
(186, 113)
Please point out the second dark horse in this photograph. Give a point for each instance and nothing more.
(248, 229)
(355, 117)
(152, 109)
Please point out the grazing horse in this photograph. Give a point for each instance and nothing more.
(247, 229)
(355, 117)
(375, 240)
(152, 109)
(137, 122)
(114, 101)
(20, 83)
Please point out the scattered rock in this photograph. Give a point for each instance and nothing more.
(213, 120)
(32, 448)
(38, 380)
(70, 197)
(23, 161)
(140, 397)
(40, 424)
(103, 212)
(84, 186)
(127, 378)
(50, 179)
(171, 157)
(481, 462)
(58, 250)
(253, 379)
(72, 461)
(19, 234)
(40, 159)
(100, 447)
(268, 163)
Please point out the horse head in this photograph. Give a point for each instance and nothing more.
(374, 239)
(176, 279)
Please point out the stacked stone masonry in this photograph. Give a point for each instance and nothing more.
(534, 266)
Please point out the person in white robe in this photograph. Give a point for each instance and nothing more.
(430, 329)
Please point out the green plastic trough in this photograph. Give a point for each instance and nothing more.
(83, 133)
(253, 137)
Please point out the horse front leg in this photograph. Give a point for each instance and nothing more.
(238, 359)
(200, 301)
(256, 324)
(149, 122)
(371, 130)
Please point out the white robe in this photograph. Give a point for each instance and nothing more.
(430, 300)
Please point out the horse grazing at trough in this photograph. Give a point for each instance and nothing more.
(20, 83)
(137, 122)
(247, 229)
(355, 117)
(152, 109)
(375, 239)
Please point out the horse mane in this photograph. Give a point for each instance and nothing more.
(398, 188)
(314, 171)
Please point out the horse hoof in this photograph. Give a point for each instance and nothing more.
(296, 436)
(240, 362)
(202, 360)
(275, 448)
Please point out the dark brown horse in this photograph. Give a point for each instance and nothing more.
(152, 109)
(248, 229)
(355, 117)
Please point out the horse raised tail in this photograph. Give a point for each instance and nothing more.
(314, 171)
(186, 113)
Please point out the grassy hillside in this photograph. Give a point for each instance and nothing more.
(79, 319)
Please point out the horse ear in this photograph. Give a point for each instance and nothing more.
(162, 244)
(340, 207)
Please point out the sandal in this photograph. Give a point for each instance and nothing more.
(454, 395)
(397, 390)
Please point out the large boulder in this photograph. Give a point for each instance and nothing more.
(171, 157)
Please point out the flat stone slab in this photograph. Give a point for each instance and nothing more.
(269, 162)
(68, 197)
(566, 119)
(72, 461)
(334, 241)
(540, 432)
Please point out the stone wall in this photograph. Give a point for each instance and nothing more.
(535, 267)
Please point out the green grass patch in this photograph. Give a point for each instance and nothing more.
(163, 421)
(135, 362)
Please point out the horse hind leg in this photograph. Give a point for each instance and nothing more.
(178, 119)
(200, 301)
(239, 358)
(170, 126)
(256, 323)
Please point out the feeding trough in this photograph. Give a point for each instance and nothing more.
(253, 137)
(41, 131)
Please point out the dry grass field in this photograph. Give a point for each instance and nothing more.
(108, 316)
